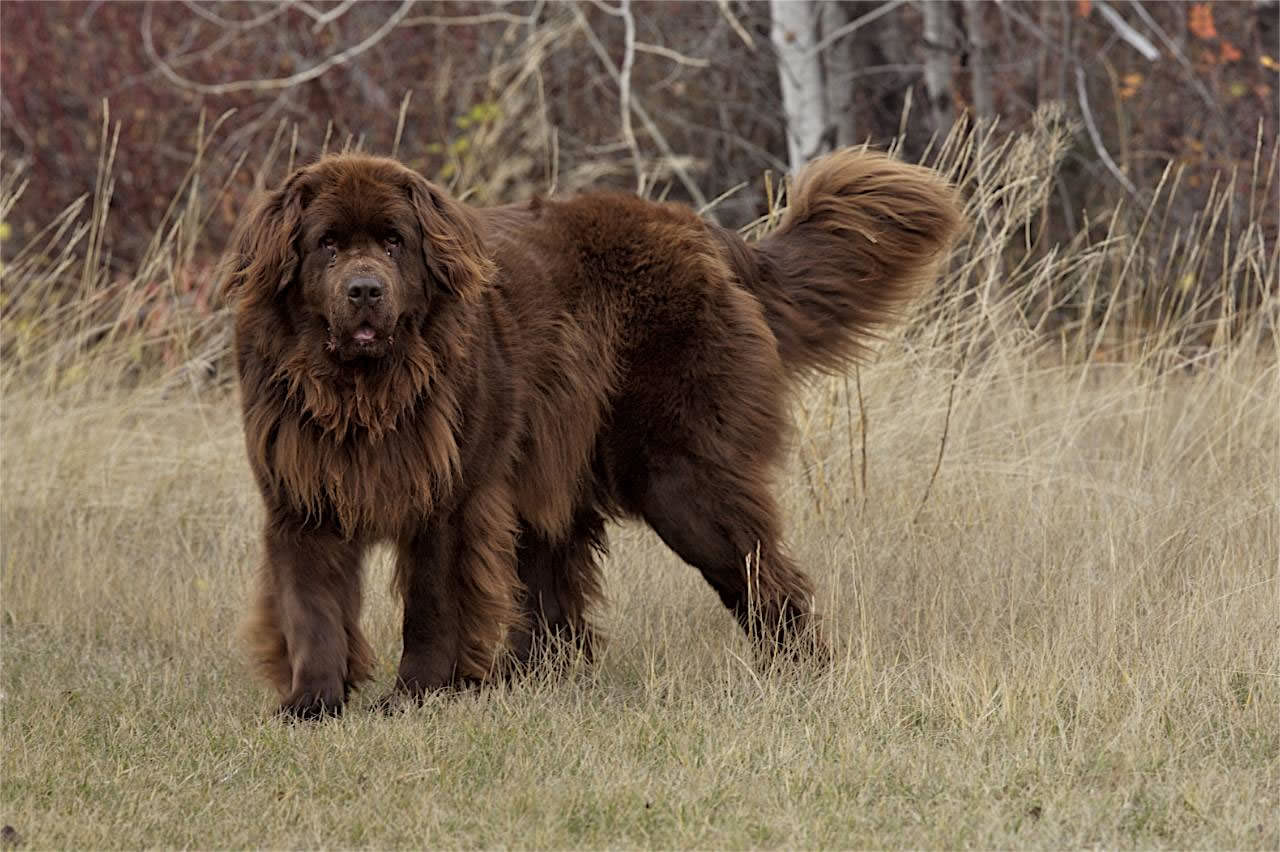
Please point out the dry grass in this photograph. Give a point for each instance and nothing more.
(1072, 640)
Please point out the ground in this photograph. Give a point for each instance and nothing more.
(1067, 637)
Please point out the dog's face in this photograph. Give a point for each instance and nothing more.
(357, 250)
(361, 268)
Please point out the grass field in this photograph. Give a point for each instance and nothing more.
(1058, 626)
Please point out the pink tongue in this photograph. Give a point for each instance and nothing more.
(364, 334)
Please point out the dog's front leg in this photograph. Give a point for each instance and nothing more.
(306, 627)
(459, 583)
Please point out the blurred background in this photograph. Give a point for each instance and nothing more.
(509, 99)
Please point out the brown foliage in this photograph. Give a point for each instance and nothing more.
(485, 386)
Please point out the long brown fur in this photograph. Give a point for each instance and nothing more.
(486, 388)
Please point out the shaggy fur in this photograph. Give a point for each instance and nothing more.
(487, 387)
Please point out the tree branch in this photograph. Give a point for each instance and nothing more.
(641, 113)
(1132, 37)
(1094, 135)
(624, 90)
(226, 24)
(1178, 54)
(323, 19)
(856, 24)
(735, 24)
(673, 55)
(466, 20)
(273, 83)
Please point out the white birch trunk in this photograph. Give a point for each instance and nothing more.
(794, 35)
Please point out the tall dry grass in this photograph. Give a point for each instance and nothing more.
(1044, 525)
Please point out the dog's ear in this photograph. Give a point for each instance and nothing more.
(263, 257)
(451, 246)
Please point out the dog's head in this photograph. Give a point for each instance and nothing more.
(354, 250)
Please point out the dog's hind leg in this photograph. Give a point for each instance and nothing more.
(724, 522)
(561, 579)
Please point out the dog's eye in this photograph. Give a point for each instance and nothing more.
(329, 243)
(392, 242)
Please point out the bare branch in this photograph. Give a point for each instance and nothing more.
(673, 55)
(624, 90)
(856, 24)
(677, 165)
(466, 20)
(735, 24)
(607, 9)
(273, 83)
(227, 24)
(1094, 135)
(1178, 54)
(1132, 37)
(323, 19)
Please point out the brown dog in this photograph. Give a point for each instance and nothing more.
(486, 387)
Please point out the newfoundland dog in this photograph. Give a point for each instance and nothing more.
(486, 388)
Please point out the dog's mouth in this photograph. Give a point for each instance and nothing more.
(364, 341)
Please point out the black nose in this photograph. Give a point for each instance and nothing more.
(364, 290)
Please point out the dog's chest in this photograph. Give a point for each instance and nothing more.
(370, 484)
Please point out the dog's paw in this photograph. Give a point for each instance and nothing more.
(306, 706)
(395, 702)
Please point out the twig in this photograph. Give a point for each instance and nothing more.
(733, 190)
(674, 55)
(1132, 37)
(226, 24)
(277, 82)
(11, 121)
(214, 48)
(942, 445)
(624, 90)
(1097, 138)
(325, 18)
(328, 133)
(404, 108)
(855, 24)
(1178, 54)
(862, 425)
(735, 24)
(466, 20)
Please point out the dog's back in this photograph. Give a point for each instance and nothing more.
(662, 348)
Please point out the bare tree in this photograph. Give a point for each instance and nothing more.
(794, 37)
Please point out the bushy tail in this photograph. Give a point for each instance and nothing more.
(861, 236)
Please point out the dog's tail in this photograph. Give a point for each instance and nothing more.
(861, 236)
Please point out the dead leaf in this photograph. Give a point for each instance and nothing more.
(1200, 21)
